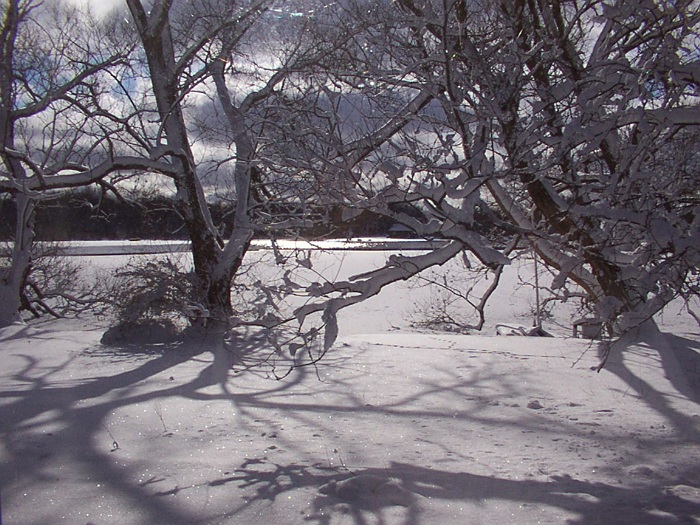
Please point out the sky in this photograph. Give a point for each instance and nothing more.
(99, 7)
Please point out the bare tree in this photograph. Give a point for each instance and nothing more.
(204, 56)
(191, 59)
(550, 125)
(52, 65)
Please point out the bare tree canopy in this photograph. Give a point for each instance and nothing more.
(54, 71)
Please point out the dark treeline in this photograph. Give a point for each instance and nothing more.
(87, 214)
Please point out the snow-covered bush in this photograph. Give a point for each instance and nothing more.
(152, 300)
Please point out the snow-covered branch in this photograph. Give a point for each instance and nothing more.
(331, 297)
(83, 176)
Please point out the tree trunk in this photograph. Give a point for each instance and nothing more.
(213, 290)
(10, 288)
(13, 278)
(214, 266)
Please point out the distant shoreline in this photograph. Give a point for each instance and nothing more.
(145, 247)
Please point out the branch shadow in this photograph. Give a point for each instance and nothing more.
(686, 353)
(43, 402)
(75, 411)
(591, 503)
(649, 348)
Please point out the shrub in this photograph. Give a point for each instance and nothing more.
(152, 299)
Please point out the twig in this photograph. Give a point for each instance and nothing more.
(115, 445)
(159, 412)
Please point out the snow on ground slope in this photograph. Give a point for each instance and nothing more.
(394, 427)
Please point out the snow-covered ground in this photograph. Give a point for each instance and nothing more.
(395, 426)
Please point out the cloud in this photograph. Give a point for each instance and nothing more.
(99, 7)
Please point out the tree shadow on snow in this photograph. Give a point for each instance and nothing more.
(76, 411)
(401, 493)
(649, 351)
(687, 355)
